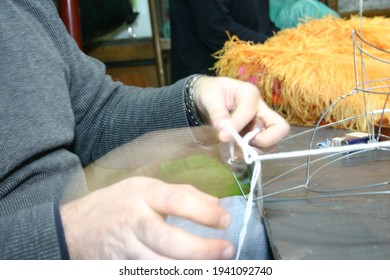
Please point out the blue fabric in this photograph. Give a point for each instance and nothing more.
(256, 245)
(289, 13)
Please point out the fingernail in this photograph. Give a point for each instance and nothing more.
(228, 253)
(224, 221)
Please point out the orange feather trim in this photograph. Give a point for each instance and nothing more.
(301, 71)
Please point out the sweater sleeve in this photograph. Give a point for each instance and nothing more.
(58, 107)
(29, 234)
(109, 114)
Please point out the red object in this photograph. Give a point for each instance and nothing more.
(69, 13)
(277, 93)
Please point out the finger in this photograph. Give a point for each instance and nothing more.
(271, 135)
(219, 109)
(256, 124)
(187, 202)
(244, 112)
(137, 249)
(158, 187)
(176, 243)
(202, 195)
(267, 138)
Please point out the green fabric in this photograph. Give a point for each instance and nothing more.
(205, 172)
(289, 13)
(276, 6)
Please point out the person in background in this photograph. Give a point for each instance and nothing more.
(199, 28)
(59, 112)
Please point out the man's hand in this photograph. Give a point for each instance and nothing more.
(220, 99)
(127, 221)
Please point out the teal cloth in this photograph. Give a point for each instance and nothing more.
(289, 13)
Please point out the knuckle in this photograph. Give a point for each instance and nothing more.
(174, 199)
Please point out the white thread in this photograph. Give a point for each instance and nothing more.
(330, 150)
(251, 156)
(248, 152)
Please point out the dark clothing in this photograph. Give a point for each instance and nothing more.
(198, 29)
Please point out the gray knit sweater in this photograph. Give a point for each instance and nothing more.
(58, 113)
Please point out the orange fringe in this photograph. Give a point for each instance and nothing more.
(301, 71)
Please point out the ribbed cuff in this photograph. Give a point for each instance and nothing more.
(61, 234)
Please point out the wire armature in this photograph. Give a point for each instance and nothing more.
(317, 164)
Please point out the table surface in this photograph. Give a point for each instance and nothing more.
(337, 214)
